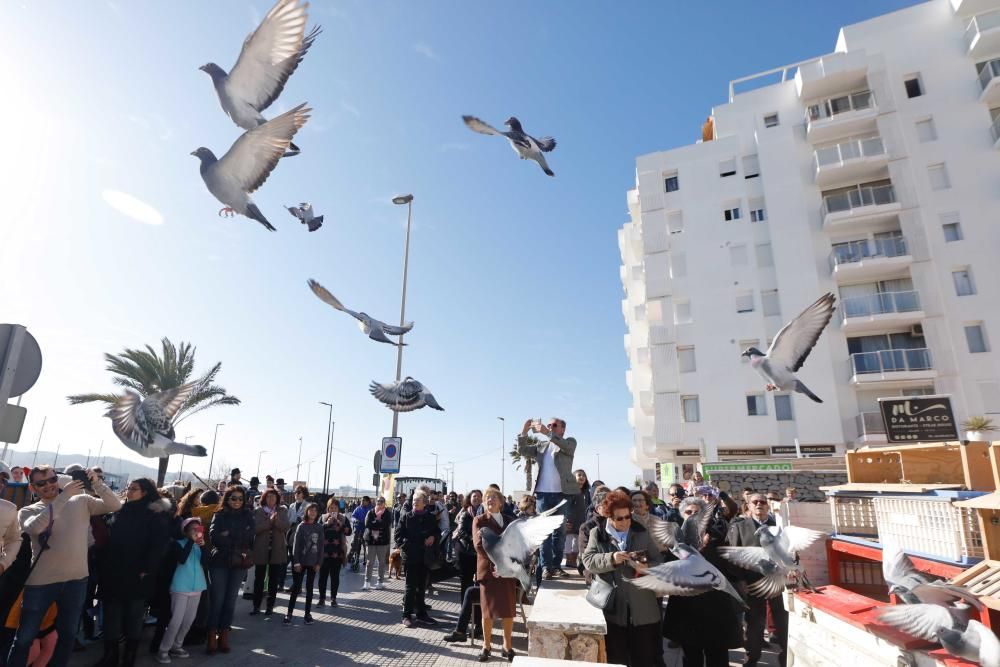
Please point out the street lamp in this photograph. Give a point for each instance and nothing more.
(180, 473)
(503, 468)
(357, 479)
(260, 454)
(434, 454)
(326, 457)
(598, 465)
(452, 465)
(399, 201)
(212, 457)
(309, 471)
(298, 464)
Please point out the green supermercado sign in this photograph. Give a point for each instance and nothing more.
(708, 468)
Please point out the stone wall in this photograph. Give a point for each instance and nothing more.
(806, 482)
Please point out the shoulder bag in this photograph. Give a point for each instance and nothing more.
(601, 594)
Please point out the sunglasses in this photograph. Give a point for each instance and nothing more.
(39, 483)
(758, 502)
(238, 499)
(134, 488)
(624, 517)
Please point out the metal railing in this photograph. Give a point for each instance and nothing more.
(859, 251)
(989, 71)
(858, 197)
(834, 106)
(980, 24)
(891, 361)
(847, 151)
(882, 303)
(869, 423)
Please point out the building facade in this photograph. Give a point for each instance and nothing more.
(873, 173)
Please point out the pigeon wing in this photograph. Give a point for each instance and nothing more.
(526, 535)
(545, 144)
(796, 539)
(378, 333)
(397, 331)
(479, 126)
(430, 401)
(255, 154)
(898, 570)
(297, 212)
(171, 400)
(270, 54)
(123, 420)
(552, 510)
(770, 586)
(685, 577)
(749, 558)
(326, 297)
(695, 526)
(394, 398)
(919, 620)
(663, 533)
(796, 339)
(939, 592)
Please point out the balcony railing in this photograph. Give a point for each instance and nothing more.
(882, 303)
(990, 71)
(891, 361)
(835, 106)
(857, 198)
(859, 251)
(847, 151)
(980, 24)
(869, 423)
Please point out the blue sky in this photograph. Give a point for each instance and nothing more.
(514, 282)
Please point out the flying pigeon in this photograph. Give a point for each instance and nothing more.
(775, 558)
(790, 348)
(144, 425)
(404, 396)
(249, 162)
(523, 144)
(270, 54)
(304, 212)
(913, 587)
(375, 329)
(510, 551)
(951, 626)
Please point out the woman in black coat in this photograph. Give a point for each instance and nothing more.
(232, 534)
(462, 538)
(138, 537)
(416, 533)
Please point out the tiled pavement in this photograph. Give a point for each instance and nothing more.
(364, 630)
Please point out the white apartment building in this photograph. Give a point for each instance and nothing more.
(872, 172)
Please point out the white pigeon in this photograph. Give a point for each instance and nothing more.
(377, 330)
(775, 558)
(914, 587)
(404, 396)
(951, 626)
(510, 551)
(269, 56)
(525, 145)
(304, 212)
(145, 425)
(248, 163)
(790, 348)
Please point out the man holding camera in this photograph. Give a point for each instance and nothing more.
(59, 524)
(555, 483)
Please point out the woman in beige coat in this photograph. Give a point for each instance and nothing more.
(269, 549)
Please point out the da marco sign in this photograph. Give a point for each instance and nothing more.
(918, 419)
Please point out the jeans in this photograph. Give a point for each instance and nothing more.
(274, 573)
(329, 568)
(381, 552)
(224, 586)
(550, 555)
(124, 617)
(69, 598)
(465, 614)
(183, 609)
(310, 577)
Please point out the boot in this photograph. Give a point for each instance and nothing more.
(131, 649)
(212, 644)
(110, 657)
(224, 640)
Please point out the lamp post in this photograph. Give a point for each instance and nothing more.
(598, 465)
(326, 456)
(180, 473)
(357, 479)
(309, 471)
(260, 454)
(451, 464)
(298, 463)
(503, 468)
(399, 201)
(434, 454)
(211, 459)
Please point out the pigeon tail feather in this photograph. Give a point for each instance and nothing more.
(802, 389)
(546, 144)
(254, 214)
(548, 172)
(187, 450)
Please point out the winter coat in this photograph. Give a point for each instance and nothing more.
(307, 547)
(335, 534)
(270, 544)
(231, 532)
(464, 533)
(189, 574)
(578, 504)
(632, 605)
(137, 540)
(411, 532)
(377, 530)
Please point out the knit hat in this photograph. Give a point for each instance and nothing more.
(187, 522)
(706, 491)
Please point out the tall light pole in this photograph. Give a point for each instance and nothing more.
(434, 454)
(55, 461)
(357, 479)
(260, 454)
(39, 442)
(99, 450)
(211, 459)
(399, 201)
(326, 456)
(298, 464)
(452, 465)
(309, 471)
(503, 468)
(598, 465)
(180, 473)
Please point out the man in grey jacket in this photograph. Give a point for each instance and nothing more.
(555, 482)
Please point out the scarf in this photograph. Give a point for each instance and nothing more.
(267, 510)
(621, 538)
(498, 517)
(379, 512)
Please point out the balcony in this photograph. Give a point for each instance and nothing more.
(982, 35)
(834, 117)
(831, 74)
(871, 260)
(989, 82)
(854, 160)
(879, 312)
(863, 204)
(967, 8)
(870, 427)
(995, 132)
(892, 368)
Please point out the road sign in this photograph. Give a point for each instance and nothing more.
(20, 361)
(378, 460)
(391, 450)
(918, 419)
(11, 423)
(375, 478)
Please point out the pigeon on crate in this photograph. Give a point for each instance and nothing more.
(776, 558)
(790, 348)
(404, 396)
(248, 163)
(525, 145)
(270, 55)
(304, 212)
(510, 551)
(145, 426)
(377, 330)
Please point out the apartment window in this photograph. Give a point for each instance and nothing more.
(678, 265)
(751, 167)
(756, 207)
(952, 226)
(963, 282)
(727, 168)
(671, 183)
(771, 119)
(756, 405)
(989, 391)
(685, 359)
(783, 408)
(689, 405)
(675, 222)
(744, 302)
(682, 312)
(731, 214)
(738, 255)
(926, 130)
(769, 302)
(975, 336)
(765, 258)
(746, 344)
(938, 175)
(914, 88)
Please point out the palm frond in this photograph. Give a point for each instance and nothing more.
(78, 399)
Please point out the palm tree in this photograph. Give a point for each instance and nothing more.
(529, 464)
(146, 372)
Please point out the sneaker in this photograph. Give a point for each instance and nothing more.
(309, 620)
(407, 622)
(550, 574)
(561, 572)
(179, 653)
(163, 658)
(426, 620)
(379, 586)
(287, 620)
(456, 636)
(364, 586)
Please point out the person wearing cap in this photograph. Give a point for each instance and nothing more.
(253, 492)
(286, 495)
(234, 477)
(186, 586)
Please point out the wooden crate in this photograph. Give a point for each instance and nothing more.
(937, 463)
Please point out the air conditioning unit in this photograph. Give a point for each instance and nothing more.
(917, 330)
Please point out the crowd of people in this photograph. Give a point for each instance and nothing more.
(79, 560)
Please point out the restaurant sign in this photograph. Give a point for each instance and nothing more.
(918, 419)
(805, 449)
(762, 451)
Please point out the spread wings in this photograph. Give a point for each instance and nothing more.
(256, 153)
(796, 339)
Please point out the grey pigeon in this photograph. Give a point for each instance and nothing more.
(270, 54)
(525, 145)
(914, 587)
(249, 162)
(375, 329)
(790, 348)
(510, 551)
(145, 425)
(404, 396)
(951, 626)
(775, 558)
(304, 212)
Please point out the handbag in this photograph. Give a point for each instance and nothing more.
(240, 560)
(601, 594)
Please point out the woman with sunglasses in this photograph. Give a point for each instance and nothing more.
(617, 552)
(232, 536)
